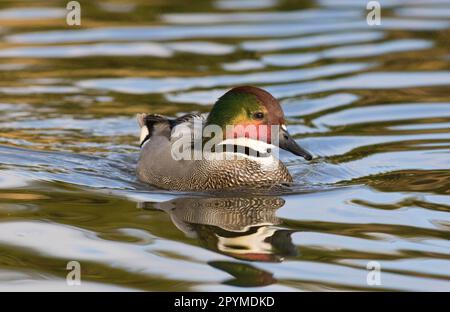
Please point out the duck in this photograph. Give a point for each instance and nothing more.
(243, 161)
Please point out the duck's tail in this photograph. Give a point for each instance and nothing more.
(153, 125)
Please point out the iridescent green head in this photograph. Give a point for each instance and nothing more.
(247, 105)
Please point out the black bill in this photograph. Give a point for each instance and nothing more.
(288, 143)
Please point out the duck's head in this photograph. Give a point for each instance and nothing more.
(250, 106)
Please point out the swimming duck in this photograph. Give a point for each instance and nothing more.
(251, 164)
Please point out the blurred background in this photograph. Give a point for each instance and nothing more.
(372, 103)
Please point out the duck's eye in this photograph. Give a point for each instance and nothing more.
(258, 115)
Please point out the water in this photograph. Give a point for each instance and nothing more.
(371, 103)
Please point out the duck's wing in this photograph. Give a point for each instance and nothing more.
(158, 125)
(190, 125)
(188, 119)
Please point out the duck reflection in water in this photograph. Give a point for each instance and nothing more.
(244, 228)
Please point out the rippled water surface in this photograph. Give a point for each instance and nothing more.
(371, 102)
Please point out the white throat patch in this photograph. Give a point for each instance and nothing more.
(267, 163)
(257, 145)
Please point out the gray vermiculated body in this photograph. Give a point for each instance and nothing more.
(157, 167)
